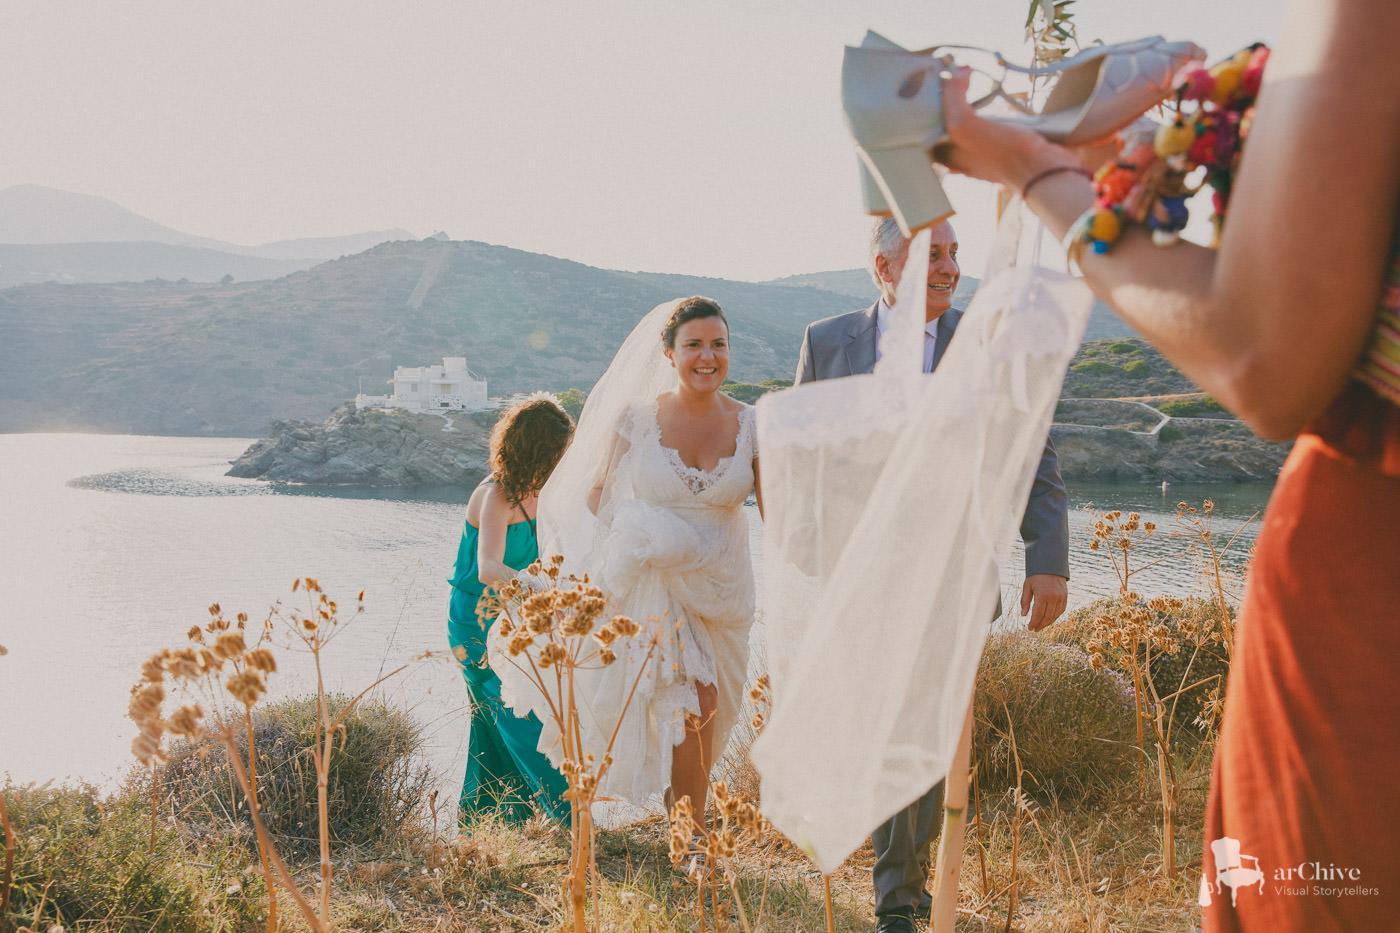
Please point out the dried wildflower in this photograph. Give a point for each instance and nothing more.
(215, 611)
(152, 670)
(229, 645)
(606, 635)
(246, 687)
(185, 722)
(309, 625)
(624, 626)
(261, 659)
(195, 634)
(145, 701)
(147, 750)
(607, 656)
(519, 642)
(551, 654)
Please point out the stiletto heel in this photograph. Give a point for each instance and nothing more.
(912, 192)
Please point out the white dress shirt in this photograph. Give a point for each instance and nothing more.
(882, 323)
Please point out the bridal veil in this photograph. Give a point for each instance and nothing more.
(886, 498)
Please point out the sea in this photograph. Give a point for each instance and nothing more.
(113, 546)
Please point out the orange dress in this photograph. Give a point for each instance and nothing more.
(1303, 825)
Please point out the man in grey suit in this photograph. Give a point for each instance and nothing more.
(849, 344)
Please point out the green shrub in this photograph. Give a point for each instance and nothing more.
(1124, 346)
(777, 383)
(1191, 408)
(572, 400)
(1138, 369)
(87, 860)
(747, 392)
(1096, 368)
(1071, 724)
(1170, 433)
(1198, 664)
(377, 783)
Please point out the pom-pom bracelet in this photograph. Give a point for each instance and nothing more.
(1147, 183)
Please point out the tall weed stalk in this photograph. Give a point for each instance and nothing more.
(218, 664)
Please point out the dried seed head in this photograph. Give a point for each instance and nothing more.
(145, 702)
(261, 659)
(624, 626)
(186, 721)
(246, 687)
(228, 645)
(551, 654)
(195, 634)
(607, 656)
(152, 670)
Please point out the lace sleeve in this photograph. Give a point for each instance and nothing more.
(748, 434)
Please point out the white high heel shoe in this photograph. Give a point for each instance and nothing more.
(893, 103)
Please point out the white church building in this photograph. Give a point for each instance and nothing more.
(449, 387)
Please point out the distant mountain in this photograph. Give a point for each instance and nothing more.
(184, 358)
(854, 282)
(33, 215)
(171, 357)
(1103, 323)
(133, 262)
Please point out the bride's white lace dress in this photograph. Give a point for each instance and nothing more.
(675, 558)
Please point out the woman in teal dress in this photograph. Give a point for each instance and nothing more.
(505, 771)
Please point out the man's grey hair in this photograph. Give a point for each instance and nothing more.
(886, 239)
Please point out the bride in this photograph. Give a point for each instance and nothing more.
(648, 502)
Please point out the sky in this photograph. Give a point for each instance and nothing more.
(701, 137)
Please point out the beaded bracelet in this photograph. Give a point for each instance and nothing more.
(1038, 177)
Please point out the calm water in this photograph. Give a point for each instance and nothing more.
(113, 546)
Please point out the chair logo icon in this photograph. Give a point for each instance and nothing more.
(1231, 871)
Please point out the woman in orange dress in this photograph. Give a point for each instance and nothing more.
(1291, 323)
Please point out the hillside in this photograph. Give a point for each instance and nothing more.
(1103, 323)
(182, 358)
(49, 235)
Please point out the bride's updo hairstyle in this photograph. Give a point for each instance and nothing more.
(526, 444)
(690, 309)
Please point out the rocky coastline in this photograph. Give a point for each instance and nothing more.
(373, 447)
(1105, 440)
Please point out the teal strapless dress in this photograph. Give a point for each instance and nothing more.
(505, 771)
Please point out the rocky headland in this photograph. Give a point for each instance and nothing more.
(1096, 439)
(373, 447)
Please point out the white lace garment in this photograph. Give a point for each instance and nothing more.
(674, 556)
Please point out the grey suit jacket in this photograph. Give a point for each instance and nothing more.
(845, 345)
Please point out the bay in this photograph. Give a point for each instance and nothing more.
(112, 546)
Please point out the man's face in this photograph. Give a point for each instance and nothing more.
(943, 271)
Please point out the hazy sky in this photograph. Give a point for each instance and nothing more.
(702, 137)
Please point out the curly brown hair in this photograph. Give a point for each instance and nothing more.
(526, 444)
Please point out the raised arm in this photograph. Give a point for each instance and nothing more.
(1273, 323)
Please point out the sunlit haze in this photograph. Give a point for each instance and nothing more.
(703, 138)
